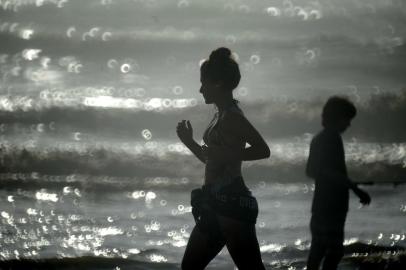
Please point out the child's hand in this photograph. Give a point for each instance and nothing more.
(364, 197)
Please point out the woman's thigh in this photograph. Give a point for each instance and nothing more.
(242, 243)
(200, 250)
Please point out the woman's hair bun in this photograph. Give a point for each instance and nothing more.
(221, 67)
(220, 55)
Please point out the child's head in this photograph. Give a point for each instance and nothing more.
(338, 113)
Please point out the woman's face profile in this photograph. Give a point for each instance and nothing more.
(209, 89)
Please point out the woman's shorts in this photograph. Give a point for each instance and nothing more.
(233, 200)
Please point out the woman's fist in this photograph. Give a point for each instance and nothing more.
(185, 131)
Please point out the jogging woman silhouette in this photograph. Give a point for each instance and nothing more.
(224, 209)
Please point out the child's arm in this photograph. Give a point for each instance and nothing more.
(324, 159)
(313, 161)
(345, 180)
(363, 196)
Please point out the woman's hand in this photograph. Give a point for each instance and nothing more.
(185, 131)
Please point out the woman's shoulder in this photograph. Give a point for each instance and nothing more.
(233, 120)
(233, 112)
(235, 108)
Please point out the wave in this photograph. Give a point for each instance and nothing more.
(86, 262)
(358, 255)
(155, 167)
(380, 117)
(376, 257)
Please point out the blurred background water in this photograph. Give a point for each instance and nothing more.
(90, 93)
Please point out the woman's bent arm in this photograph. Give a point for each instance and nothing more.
(239, 126)
(196, 149)
(258, 147)
(256, 152)
(185, 133)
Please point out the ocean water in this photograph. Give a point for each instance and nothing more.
(153, 223)
(91, 92)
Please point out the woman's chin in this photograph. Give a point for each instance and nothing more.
(207, 101)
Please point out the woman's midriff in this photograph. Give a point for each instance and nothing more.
(216, 173)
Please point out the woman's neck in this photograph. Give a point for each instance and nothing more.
(224, 103)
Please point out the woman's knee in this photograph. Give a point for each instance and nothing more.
(188, 264)
(250, 264)
(245, 251)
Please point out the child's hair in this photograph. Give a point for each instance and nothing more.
(221, 66)
(337, 108)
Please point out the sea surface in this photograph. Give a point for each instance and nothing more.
(74, 194)
(150, 221)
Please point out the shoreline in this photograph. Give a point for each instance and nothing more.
(357, 256)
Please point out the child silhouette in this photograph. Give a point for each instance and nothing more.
(326, 165)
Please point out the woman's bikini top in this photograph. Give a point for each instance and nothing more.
(222, 172)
